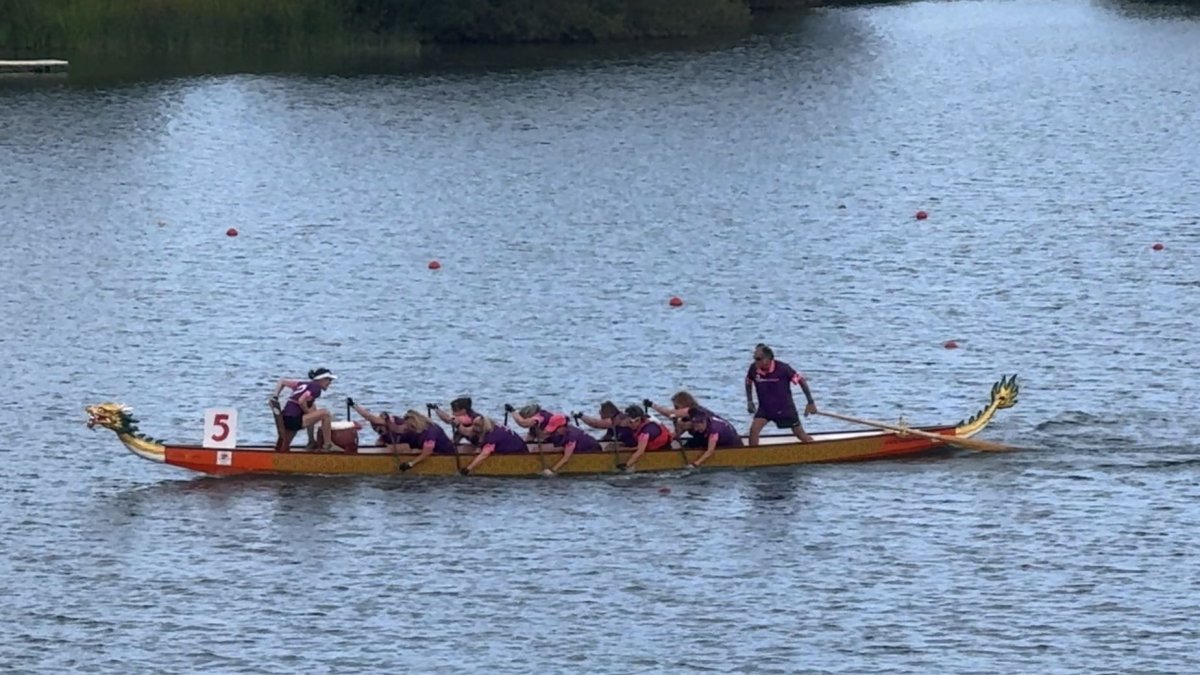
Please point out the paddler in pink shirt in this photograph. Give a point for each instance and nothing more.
(650, 435)
(532, 417)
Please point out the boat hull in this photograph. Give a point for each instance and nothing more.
(775, 451)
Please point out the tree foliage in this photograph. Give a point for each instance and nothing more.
(206, 25)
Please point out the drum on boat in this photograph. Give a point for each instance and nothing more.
(345, 435)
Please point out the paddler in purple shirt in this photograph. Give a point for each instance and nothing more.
(491, 438)
(461, 414)
(773, 381)
(612, 419)
(714, 431)
(570, 439)
(389, 427)
(684, 405)
(682, 402)
(301, 411)
(419, 432)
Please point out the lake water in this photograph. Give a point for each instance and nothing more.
(771, 182)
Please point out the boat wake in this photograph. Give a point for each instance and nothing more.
(1126, 441)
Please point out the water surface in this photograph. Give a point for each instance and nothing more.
(771, 183)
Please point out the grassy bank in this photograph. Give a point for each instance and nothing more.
(181, 26)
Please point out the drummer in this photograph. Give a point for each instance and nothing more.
(490, 438)
(569, 438)
(301, 411)
(713, 432)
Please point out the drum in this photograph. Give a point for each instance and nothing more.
(345, 435)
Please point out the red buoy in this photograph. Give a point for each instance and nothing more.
(664, 490)
(676, 301)
(231, 232)
(950, 344)
(921, 215)
(435, 265)
(1158, 246)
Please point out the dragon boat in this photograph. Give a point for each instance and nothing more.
(775, 450)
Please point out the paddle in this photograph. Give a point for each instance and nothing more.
(279, 430)
(972, 443)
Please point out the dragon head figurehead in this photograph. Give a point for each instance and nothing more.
(114, 416)
(1004, 395)
(119, 418)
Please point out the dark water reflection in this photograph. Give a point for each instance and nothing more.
(1153, 9)
(771, 182)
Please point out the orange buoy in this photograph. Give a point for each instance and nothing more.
(921, 215)
(231, 232)
(950, 344)
(1158, 246)
(435, 265)
(676, 301)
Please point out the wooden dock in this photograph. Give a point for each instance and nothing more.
(34, 66)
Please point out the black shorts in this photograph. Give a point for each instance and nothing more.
(787, 419)
(696, 441)
(293, 423)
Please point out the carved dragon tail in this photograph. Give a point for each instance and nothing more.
(1004, 395)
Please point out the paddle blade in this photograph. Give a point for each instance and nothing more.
(977, 444)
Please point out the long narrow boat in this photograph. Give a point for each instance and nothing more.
(773, 450)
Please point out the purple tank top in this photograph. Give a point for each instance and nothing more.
(505, 440)
(727, 436)
(293, 409)
(442, 445)
(584, 442)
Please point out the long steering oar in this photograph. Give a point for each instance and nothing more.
(972, 443)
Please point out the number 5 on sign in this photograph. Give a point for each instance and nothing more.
(220, 428)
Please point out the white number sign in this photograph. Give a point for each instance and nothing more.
(220, 428)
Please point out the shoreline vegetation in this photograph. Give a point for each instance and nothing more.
(394, 27)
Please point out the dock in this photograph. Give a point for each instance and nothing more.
(34, 66)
